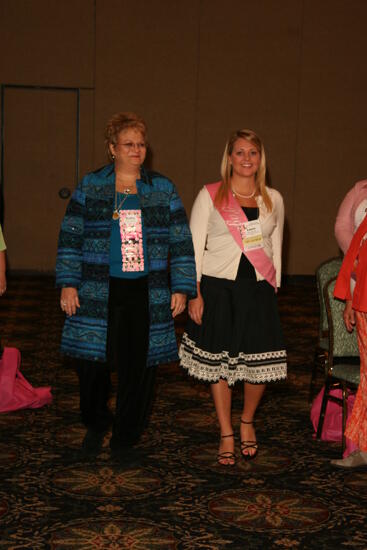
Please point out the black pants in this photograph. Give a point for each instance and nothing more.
(127, 348)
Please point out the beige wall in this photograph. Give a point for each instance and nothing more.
(292, 70)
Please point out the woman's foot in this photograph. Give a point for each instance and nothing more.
(356, 459)
(226, 456)
(249, 447)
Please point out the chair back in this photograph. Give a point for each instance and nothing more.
(341, 342)
(325, 271)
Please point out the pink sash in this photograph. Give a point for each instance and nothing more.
(234, 216)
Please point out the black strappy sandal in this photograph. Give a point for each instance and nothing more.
(248, 444)
(226, 455)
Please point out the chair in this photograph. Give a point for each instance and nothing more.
(342, 365)
(325, 271)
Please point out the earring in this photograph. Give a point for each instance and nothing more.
(113, 157)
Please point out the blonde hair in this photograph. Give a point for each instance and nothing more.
(120, 122)
(226, 168)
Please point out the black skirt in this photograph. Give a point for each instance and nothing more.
(240, 337)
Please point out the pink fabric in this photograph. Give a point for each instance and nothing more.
(344, 225)
(357, 423)
(15, 392)
(333, 421)
(233, 215)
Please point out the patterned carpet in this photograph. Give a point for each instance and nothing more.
(168, 492)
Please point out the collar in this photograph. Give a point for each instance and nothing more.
(144, 174)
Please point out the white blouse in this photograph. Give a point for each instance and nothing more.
(216, 252)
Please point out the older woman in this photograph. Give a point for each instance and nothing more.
(121, 226)
(234, 333)
(2, 264)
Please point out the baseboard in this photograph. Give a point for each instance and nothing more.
(21, 273)
(305, 280)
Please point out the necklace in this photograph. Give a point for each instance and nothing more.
(234, 192)
(126, 193)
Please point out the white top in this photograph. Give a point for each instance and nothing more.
(216, 252)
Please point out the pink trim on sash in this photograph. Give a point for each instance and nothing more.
(234, 216)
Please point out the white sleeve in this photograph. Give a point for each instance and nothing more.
(277, 235)
(199, 220)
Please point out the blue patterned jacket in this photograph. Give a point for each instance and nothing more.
(83, 261)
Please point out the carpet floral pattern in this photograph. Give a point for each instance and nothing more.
(168, 492)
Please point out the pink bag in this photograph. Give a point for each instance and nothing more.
(332, 428)
(15, 391)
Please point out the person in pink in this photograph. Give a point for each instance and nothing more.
(350, 214)
(350, 232)
(15, 391)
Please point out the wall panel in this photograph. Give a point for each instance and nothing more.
(249, 78)
(147, 62)
(39, 159)
(331, 152)
(47, 42)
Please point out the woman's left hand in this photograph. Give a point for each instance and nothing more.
(349, 317)
(178, 303)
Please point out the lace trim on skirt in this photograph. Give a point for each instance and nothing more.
(256, 368)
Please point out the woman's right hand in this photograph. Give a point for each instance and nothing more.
(69, 300)
(196, 309)
(349, 316)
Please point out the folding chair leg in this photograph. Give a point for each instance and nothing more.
(345, 412)
(313, 377)
(319, 362)
(323, 409)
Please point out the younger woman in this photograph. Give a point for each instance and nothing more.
(234, 332)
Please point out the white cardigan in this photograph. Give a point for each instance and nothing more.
(216, 252)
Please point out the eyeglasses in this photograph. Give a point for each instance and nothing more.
(129, 145)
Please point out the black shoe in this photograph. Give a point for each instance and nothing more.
(248, 445)
(92, 441)
(226, 455)
(117, 444)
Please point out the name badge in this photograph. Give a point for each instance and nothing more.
(131, 240)
(251, 234)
